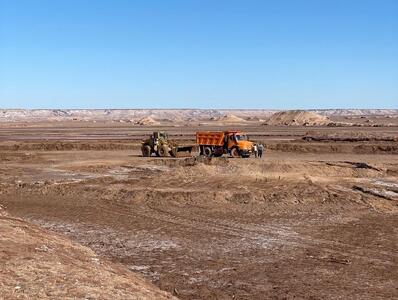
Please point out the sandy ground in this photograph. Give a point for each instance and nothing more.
(293, 225)
(37, 264)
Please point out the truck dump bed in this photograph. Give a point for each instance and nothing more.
(213, 138)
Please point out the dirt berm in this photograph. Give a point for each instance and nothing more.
(38, 264)
(336, 147)
(350, 136)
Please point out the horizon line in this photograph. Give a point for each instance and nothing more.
(194, 108)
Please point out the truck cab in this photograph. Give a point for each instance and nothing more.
(238, 140)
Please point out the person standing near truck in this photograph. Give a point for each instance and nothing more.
(260, 149)
(255, 150)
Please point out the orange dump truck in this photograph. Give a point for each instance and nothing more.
(217, 143)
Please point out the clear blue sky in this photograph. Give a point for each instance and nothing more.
(197, 53)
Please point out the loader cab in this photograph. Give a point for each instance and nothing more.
(159, 135)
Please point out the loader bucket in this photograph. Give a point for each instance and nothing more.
(181, 151)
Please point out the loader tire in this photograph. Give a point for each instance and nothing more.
(235, 152)
(163, 151)
(207, 151)
(146, 151)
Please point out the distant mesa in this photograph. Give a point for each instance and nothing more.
(220, 116)
(60, 113)
(297, 118)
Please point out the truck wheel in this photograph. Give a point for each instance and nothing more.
(146, 151)
(235, 152)
(163, 151)
(207, 151)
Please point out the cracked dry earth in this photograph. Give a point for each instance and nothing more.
(308, 226)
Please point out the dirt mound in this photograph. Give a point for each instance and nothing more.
(147, 121)
(35, 263)
(193, 161)
(230, 118)
(297, 118)
(254, 119)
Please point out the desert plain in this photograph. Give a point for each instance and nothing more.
(84, 215)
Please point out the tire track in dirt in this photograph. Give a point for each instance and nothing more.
(258, 235)
(263, 235)
(280, 235)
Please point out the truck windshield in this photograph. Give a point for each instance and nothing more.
(241, 137)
